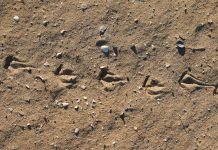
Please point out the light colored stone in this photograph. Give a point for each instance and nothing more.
(64, 104)
(17, 18)
(77, 131)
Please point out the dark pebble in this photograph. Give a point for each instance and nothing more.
(101, 42)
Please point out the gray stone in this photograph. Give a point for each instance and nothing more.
(84, 6)
(101, 42)
(105, 49)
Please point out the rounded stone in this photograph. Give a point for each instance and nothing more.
(101, 42)
(17, 18)
(105, 49)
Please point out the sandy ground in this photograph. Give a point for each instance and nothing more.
(153, 88)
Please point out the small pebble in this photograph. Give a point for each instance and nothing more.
(210, 21)
(46, 64)
(84, 6)
(167, 65)
(76, 107)
(83, 87)
(28, 125)
(180, 44)
(27, 86)
(153, 47)
(62, 32)
(181, 47)
(102, 29)
(65, 105)
(105, 50)
(10, 109)
(113, 143)
(101, 42)
(59, 55)
(16, 18)
(76, 131)
(45, 23)
(93, 101)
(136, 21)
(135, 128)
(166, 139)
(199, 27)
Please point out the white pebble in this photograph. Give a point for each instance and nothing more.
(76, 107)
(76, 131)
(167, 65)
(46, 64)
(113, 143)
(16, 18)
(93, 101)
(65, 105)
(83, 87)
(58, 55)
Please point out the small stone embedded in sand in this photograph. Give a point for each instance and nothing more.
(199, 27)
(102, 29)
(62, 32)
(101, 42)
(139, 48)
(27, 86)
(113, 143)
(28, 125)
(46, 64)
(59, 55)
(84, 6)
(167, 65)
(136, 20)
(76, 107)
(17, 18)
(45, 22)
(77, 131)
(83, 87)
(122, 116)
(180, 44)
(210, 21)
(105, 49)
(94, 101)
(65, 105)
(153, 47)
(116, 51)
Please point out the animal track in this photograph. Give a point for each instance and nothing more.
(12, 62)
(60, 80)
(55, 82)
(110, 80)
(154, 88)
(189, 81)
(16, 65)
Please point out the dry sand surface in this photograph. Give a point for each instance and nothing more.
(109, 74)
